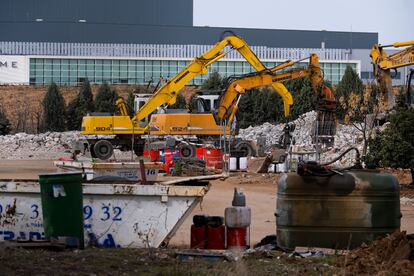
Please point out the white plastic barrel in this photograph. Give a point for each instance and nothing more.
(243, 163)
(233, 164)
(281, 168)
(237, 216)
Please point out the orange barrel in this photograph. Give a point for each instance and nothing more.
(213, 158)
(237, 238)
(154, 155)
(200, 153)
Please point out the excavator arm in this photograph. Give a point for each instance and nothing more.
(383, 63)
(121, 107)
(167, 94)
(229, 101)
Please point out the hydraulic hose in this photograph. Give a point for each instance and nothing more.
(315, 169)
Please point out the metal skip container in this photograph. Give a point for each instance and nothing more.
(114, 215)
(62, 206)
(340, 211)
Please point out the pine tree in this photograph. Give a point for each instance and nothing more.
(304, 98)
(245, 111)
(213, 82)
(5, 126)
(180, 102)
(54, 110)
(350, 83)
(105, 99)
(72, 114)
(86, 97)
(80, 106)
(395, 146)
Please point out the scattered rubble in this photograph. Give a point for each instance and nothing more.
(44, 146)
(346, 137)
(48, 145)
(51, 145)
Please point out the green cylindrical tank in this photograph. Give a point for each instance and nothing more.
(341, 211)
(62, 205)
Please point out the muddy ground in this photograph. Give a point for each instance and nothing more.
(260, 191)
(157, 262)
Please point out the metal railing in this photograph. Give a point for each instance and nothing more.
(166, 51)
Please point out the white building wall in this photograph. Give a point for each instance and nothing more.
(14, 69)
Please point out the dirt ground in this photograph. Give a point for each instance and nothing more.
(260, 191)
(95, 261)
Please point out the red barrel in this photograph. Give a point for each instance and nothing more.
(154, 155)
(213, 158)
(198, 236)
(200, 153)
(169, 159)
(216, 237)
(237, 238)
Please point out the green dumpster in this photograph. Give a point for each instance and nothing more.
(62, 206)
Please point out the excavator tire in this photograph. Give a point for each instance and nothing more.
(244, 149)
(103, 149)
(139, 149)
(91, 150)
(187, 151)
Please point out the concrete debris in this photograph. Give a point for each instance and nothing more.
(45, 146)
(48, 145)
(52, 145)
(346, 136)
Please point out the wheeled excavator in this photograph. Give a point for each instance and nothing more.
(209, 125)
(384, 63)
(122, 132)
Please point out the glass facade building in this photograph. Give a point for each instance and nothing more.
(72, 71)
(71, 63)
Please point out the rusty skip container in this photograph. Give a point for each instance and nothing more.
(340, 211)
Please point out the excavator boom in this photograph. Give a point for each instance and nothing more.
(167, 94)
(228, 105)
(206, 124)
(125, 129)
(384, 63)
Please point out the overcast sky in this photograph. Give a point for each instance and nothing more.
(393, 20)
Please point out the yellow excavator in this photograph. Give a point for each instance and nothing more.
(384, 63)
(209, 125)
(125, 133)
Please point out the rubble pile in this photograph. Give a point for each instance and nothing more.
(51, 145)
(48, 145)
(392, 255)
(45, 146)
(346, 136)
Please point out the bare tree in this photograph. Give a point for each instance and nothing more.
(362, 110)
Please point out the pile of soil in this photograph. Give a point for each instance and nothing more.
(393, 254)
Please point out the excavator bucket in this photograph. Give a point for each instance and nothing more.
(325, 125)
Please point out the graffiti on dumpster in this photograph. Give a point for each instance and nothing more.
(32, 226)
